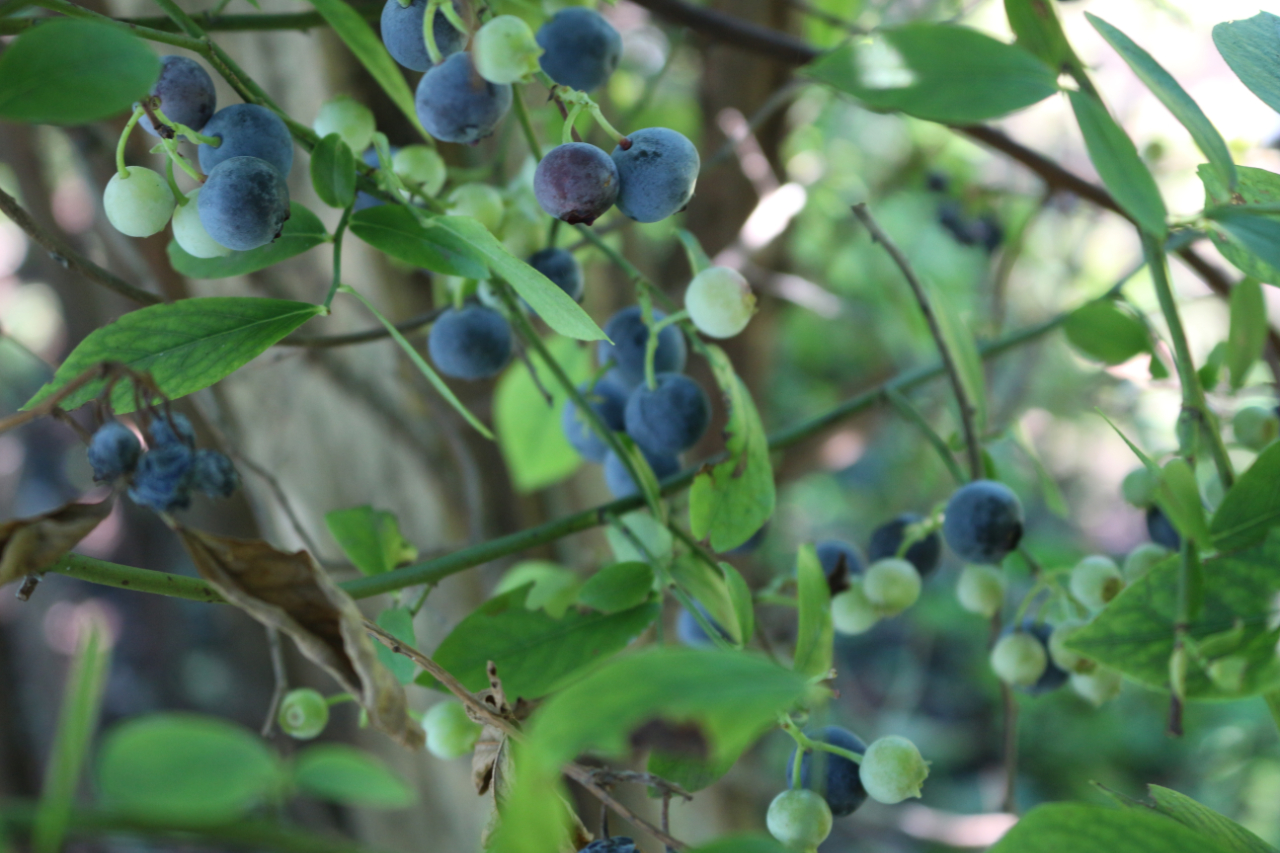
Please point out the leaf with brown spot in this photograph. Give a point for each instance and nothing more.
(685, 739)
(291, 593)
(31, 545)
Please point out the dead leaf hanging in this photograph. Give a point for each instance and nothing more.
(291, 593)
(31, 545)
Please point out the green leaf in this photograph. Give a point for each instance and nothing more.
(697, 256)
(302, 231)
(742, 600)
(1207, 822)
(704, 582)
(370, 538)
(938, 72)
(1173, 96)
(556, 308)
(333, 172)
(1135, 633)
(398, 622)
(1039, 32)
(533, 651)
(730, 502)
(395, 230)
(74, 72)
(649, 485)
(186, 346)
(1255, 187)
(1252, 48)
(77, 720)
(1118, 164)
(528, 427)
(1252, 507)
(1248, 334)
(343, 774)
(360, 38)
(1107, 331)
(688, 771)
(1179, 496)
(814, 634)
(1257, 233)
(1074, 827)
(618, 587)
(554, 588)
(959, 337)
(644, 540)
(185, 769)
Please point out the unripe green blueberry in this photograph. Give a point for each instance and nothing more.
(1139, 487)
(303, 713)
(851, 612)
(981, 589)
(1141, 560)
(450, 732)
(1064, 657)
(348, 118)
(891, 585)
(189, 233)
(138, 204)
(892, 769)
(1019, 659)
(1098, 687)
(1256, 427)
(421, 168)
(505, 51)
(799, 818)
(479, 201)
(1095, 581)
(720, 302)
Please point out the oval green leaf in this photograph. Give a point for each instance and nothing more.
(1118, 164)
(185, 346)
(74, 71)
(938, 72)
(1252, 49)
(1107, 332)
(1255, 187)
(333, 171)
(618, 587)
(302, 231)
(395, 230)
(1257, 232)
(344, 774)
(185, 769)
(1248, 332)
(528, 427)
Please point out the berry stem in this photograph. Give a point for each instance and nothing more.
(121, 168)
(171, 151)
(526, 126)
(178, 195)
(429, 32)
(911, 413)
(338, 234)
(338, 699)
(183, 130)
(566, 135)
(451, 15)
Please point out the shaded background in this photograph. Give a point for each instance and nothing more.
(336, 428)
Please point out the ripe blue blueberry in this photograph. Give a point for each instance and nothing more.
(1161, 529)
(618, 478)
(836, 777)
(582, 48)
(670, 417)
(609, 399)
(690, 633)
(173, 428)
(756, 540)
(630, 336)
(473, 342)
(886, 539)
(576, 182)
(185, 91)
(983, 522)
(455, 104)
(370, 158)
(617, 844)
(162, 481)
(402, 34)
(562, 268)
(244, 203)
(657, 173)
(833, 554)
(214, 474)
(247, 130)
(113, 451)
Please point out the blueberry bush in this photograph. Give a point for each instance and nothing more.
(592, 324)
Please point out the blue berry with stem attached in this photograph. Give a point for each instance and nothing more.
(213, 474)
(833, 776)
(455, 104)
(658, 172)
(171, 428)
(983, 522)
(576, 183)
(185, 91)
(162, 480)
(244, 203)
(113, 451)
(402, 34)
(472, 342)
(562, 268)
(247, 130)
(924, 554)
(670, 417)
(581, 48)
(630, 336)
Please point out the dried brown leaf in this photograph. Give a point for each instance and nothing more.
(291, 593)
(31, 545)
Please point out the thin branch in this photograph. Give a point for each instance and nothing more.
(281, 675)
(69, 258)
(1009, 803)
(972, 443)
(404, 327)
(734, 31)
(584, 777)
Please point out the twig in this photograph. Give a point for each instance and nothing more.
(404, 327)
(584, 777)
(1009, 803)
(281, 675)
(69, 258)
(971, 440)
(217, 23)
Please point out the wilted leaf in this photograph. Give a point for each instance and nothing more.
(29, 545)
(291, 593)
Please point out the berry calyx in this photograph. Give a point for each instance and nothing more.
(1068, 659)
(303, 713)
(893, 770)
(1095, 581)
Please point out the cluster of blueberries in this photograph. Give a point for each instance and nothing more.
(163, 476)
(984, 230)
(663, 420)
(244, 200)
